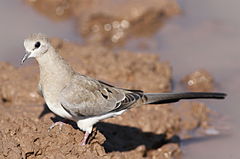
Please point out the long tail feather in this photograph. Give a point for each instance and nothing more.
(161, 98)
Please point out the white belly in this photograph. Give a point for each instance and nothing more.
(87, 124)
(58, 110)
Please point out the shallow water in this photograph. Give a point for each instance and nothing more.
(18, 21)
(206, 35)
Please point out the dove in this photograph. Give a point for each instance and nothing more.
(86, 100)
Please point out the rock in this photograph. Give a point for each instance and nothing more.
(169, 151)
(54, 9)
(199, 81)
(110, 21)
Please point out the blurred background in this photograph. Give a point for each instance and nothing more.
(201, 35)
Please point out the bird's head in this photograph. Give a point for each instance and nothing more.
(35, 45)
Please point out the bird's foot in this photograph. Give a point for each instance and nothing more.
(85, 138)
(59, 123)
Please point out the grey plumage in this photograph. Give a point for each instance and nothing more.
(161, 98)
(79, 98)
(84, 99)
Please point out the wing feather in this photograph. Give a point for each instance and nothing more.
(85, 96)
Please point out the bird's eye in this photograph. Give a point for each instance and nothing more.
(37, 44)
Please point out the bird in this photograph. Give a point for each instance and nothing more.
(83, 99)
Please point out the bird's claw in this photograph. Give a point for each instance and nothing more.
(83, 143)
(56, 124)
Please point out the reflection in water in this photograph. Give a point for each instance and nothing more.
(205, 36)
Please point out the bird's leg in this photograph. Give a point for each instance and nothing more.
(84, 141)
(87, 126)
(60, 123)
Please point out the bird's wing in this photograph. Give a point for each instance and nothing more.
(84, 96)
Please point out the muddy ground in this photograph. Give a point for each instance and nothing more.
(150, 131)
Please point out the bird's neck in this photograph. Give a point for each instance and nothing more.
(52, 65)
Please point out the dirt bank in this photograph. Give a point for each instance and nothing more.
(199, 81)
(110, 21)
(148, 131)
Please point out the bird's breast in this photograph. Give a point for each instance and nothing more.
(51, 94)
(57, 109)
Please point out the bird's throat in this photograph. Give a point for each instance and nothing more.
(53, 67)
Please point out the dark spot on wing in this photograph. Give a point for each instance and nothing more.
(135, 91)
(109, 90)
(105, 83)
(105, 96)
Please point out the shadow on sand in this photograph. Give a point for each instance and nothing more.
(122, 138)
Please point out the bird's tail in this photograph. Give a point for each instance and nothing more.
(162, 98)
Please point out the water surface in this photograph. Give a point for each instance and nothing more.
(18, 20)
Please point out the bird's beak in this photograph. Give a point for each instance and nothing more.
(25, 57)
